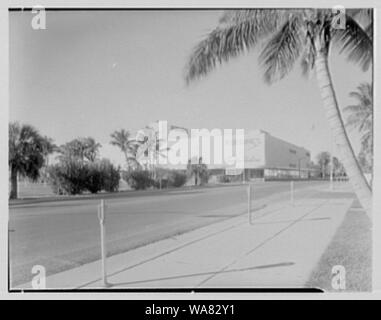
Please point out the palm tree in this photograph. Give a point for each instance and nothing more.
(90, 148)
(360, 117)
(80, 149)
(122, 139)
(291, 35)
(153, 148)
(71, 150)
(26, 154)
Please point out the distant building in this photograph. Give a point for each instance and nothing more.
(271, 157)
(265, 156)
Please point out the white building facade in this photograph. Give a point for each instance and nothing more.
(250, 153)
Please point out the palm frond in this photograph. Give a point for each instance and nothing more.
(228, 41)
(308, 57)
(360, 115)
(355, 42)
(121, 139)
(358, 109)
(281, 52)
(238, 16)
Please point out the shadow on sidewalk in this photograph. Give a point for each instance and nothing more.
(276, 265)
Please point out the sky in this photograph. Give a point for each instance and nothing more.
(90, 73)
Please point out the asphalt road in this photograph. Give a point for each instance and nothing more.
(64, 234)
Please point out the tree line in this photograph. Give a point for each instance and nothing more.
(79, 167)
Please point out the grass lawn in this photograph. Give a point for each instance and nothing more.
(351, 247)
(34, 189)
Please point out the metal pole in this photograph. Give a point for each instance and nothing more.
(292, 192)
(249, 201)
(102, 220)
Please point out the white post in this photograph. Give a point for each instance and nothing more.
(292, 192)
(249, 201)
(102, 220)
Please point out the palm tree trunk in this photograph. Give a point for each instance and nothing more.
(127, 162)
(13, 193)
(347, 156)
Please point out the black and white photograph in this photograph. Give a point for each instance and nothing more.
(191, 149)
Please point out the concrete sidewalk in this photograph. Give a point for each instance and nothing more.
(278, 247)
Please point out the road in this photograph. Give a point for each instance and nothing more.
(64, 234)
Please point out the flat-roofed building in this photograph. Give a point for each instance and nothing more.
(264, 156)
(275, 157)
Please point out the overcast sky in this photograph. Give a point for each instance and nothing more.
(90, 73)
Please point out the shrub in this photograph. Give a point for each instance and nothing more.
(163, 184)
(94, 179)
(68, 177)
(166, 178)
(141, 179)
(138, 179)
(177, 179)
(204, 174)
(110, 176)
(223, 179)
(74, 176)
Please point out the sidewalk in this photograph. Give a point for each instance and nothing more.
(278, 248)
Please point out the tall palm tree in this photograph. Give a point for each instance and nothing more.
(291, 35)
(153, 148)
(122, 139)
(360, 117)
(26, 154)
